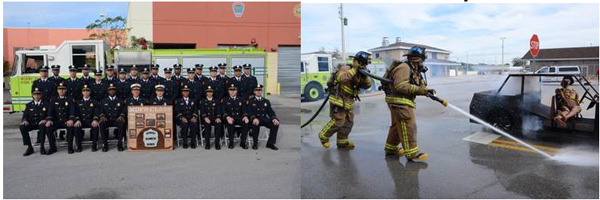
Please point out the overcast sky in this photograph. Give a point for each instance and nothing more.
(59, 14)
(459, 28)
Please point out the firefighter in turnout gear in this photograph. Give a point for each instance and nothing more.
(408, 83)
(186, 117)
(112, 114)
(262, 114)
(250, 82)
(60, 116)
(210, 110)
(74, 85)
(234, 112)
(34, 118)
(87, 111)
(344, 89)
(98, 87)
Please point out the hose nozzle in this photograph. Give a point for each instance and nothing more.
(435, 98)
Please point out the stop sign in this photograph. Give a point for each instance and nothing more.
(534, 45)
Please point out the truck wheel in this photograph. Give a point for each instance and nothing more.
(313, 91)
(504, 121)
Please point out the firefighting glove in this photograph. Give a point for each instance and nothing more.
(430, 92)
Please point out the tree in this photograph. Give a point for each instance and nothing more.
(518, 62)
(111, 30)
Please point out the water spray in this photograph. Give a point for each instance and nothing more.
(480, 121)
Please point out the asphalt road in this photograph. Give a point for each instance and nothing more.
(456, 168)
(182, 173)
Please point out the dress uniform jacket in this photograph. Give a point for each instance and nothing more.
(171, 89)
(147, 88)
(195, 88)
(250, 83)
(33, 114)
(218, 87)
(74, 86)
(123, 88)
(98, 90)
(46, 86)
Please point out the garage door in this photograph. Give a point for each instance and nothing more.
(288, 74)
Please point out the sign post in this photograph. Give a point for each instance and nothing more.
(534, 47)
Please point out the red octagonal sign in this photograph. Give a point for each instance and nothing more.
(534, 45)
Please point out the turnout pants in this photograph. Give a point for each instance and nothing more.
(341, 123)
(112, 123)
(272, 130)
(403, 130)
(188, 129)
(218, 130)
(231, 130)
(79, 134)
(30, 127)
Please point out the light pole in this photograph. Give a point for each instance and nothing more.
(343, 22)
(502, 38)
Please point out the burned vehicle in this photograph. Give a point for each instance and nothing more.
(523, 97)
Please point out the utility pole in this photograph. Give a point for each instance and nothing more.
(343, 22)
(502, 38)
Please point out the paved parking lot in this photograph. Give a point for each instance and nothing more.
(182, 173)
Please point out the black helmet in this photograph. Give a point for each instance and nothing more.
(363, 57)
(416, 51)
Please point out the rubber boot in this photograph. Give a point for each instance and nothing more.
(399, 152)
(418, 157)
(349, 145)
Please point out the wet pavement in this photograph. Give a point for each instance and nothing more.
(455, 169)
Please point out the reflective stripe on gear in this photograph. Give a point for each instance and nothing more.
(328, 126)
(399, 100)
(391, 147)
(342, 141)
(339, 102)
(411, 88)
(348, 90)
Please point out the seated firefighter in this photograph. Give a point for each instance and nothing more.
(567, 102)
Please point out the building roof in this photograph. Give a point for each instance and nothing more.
(406, 45)
(570, 53)
(440, 62)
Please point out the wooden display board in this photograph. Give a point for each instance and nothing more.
(149, 128)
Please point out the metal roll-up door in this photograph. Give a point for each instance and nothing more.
(288, 75)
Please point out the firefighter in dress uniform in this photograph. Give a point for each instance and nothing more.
(123, 85)
(147, 84)
(34, 118)
(210, 110)
(112, 114)
(250, 81)
(60, 116)
(234, 113)
(98, 87)
(87, 111)
(74, 84)
(262, 114)
(186, 117)
(216, 84)
(44, 85)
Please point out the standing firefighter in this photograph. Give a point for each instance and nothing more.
(344, 88)
(408, 82)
